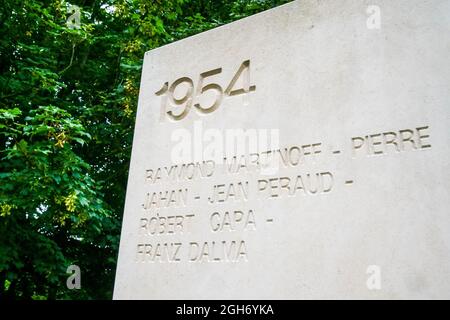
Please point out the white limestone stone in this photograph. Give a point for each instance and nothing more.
(359, 98)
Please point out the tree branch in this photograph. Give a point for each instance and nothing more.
(71, 60)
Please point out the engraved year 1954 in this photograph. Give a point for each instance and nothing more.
(177, 108)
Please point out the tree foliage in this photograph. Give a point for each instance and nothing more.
(68, 97)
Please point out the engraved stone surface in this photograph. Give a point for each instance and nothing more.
(299, 153)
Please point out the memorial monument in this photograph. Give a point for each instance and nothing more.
(300, 153)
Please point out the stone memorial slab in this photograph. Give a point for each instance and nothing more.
(299, 153)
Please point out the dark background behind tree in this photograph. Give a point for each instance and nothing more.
(68, 98)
